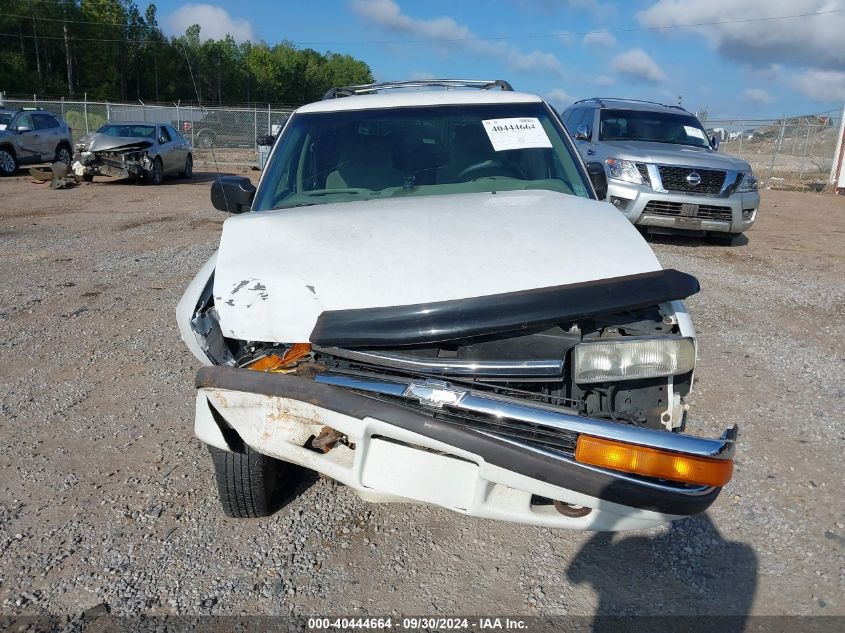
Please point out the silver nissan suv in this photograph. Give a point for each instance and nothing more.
(663, 172)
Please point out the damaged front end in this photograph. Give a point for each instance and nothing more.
(117, 157)
(550, 406)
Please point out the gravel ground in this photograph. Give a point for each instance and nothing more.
(107, 499)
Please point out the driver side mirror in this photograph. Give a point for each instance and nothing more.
(599, 179)
(582, 132)
(266, 140)
(714, 143)
(233, 194)
(23, 128)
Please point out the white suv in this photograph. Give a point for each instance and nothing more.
(424, 300)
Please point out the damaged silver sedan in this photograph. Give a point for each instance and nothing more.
(136, 150)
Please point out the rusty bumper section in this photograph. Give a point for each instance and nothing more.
(515, 456)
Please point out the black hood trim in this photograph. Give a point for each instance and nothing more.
(510, 312)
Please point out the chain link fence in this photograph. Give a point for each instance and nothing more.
(792, 152)
(223, 134)
(788, 153)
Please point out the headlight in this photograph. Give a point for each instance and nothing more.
(749, 183)
(625, 170)
(631, 359)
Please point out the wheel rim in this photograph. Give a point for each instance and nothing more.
(7, 163)
(64, 156)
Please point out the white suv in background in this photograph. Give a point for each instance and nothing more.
(663, 172)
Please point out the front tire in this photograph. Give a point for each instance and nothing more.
(63, 155)
(250, 485)
(8, 162)
(723, 239)
(157, 173)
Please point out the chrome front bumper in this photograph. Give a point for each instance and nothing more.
(399, 449)
(638, 197)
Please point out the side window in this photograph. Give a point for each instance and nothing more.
(25, 119)
(577, 120)
(165, 135)
(567, 119)
(44, 121)
(587, 119)
(173, 133)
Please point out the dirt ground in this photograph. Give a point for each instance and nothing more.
(106, 498)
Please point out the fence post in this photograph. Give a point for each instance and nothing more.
(741, 134)
(776, 149)
(85, 112)
(268, 119)
(108, 112)
(63, 107)
(803, 158)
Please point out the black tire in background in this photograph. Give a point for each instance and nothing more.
(723, 239)
(188, 172)
(8, 162)
(250, 484)
(156, 176)
(63, 154)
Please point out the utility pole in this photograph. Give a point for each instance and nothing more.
(69, 60)
(37, 55)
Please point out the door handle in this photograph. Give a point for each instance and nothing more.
(591, 152)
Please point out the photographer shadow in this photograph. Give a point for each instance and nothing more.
(688, 578)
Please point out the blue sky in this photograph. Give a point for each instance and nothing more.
(715, 54)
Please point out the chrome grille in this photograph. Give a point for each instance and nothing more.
(663, 207)
(712, 212)
(676, 209)
(643, 169)
(557, 440)
(675, 179)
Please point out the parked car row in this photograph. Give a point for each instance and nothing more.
(138, 150)
(457, 319)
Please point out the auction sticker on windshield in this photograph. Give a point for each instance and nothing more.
(516, 133)
(694, 132)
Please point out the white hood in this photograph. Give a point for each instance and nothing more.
(278, 270)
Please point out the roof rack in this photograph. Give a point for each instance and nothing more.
(449, 84)
(601, 101)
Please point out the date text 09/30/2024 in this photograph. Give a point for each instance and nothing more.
(415, 623)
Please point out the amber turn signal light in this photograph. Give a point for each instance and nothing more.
(274, 362)
(653, 462)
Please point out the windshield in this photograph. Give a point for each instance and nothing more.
(129, 131)
(5, 119)
(657, 127)
(433, 150)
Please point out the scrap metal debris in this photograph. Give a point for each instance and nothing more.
(56, 175)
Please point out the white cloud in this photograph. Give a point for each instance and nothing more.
(816, 41)
(453, 36)
(214, 21)
(599, 39)
(559, 98)
(757, 95)
(826, 86)
(638, 65)
(604, 80)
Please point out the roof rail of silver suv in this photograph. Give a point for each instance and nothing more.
(601, 101)
(481, 84)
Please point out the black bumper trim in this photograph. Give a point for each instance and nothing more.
(510, 312)
(500, 453)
